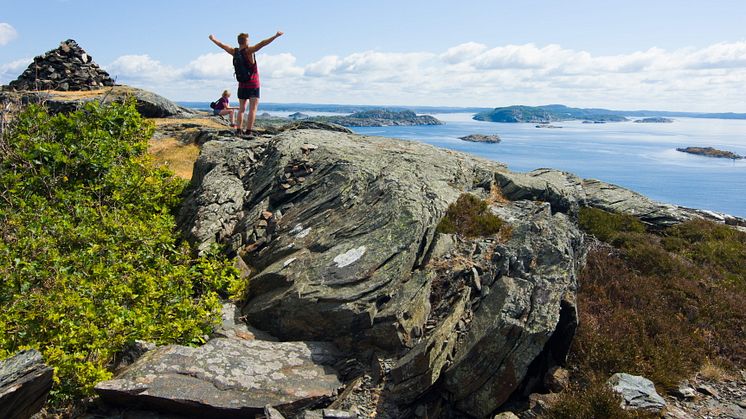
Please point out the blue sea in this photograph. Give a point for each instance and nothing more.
(641, 157)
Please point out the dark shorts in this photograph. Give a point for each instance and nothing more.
(216, 111)
(248, 93)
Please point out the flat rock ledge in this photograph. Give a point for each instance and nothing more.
(227, 378)
(25, 382)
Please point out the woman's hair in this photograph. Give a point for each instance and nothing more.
(226, 93)
(242, 37)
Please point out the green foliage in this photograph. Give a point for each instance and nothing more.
(606, 226)
(471, 217)
(659, 305)
(89, 256)
(721, 248)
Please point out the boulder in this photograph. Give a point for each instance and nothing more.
(25, 382)
(358, 216)
(524, 324)
(227, 378)
(348, 256)
(567, 193)
(636, 392)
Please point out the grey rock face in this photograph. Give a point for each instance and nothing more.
(358, 215)
(567, 192)
(519, 326)
(25, 382)
(227, 378)
(637, 392)
(341, 232)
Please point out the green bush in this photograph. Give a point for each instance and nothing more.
(89, 257)
(720, 247)
(605, 225)
(470, 217)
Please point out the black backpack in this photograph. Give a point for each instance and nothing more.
(241, 68)
(214, 105)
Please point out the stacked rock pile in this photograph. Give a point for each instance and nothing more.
(68, 67)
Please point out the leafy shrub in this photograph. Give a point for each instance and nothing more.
(470, 217)
(89, 255)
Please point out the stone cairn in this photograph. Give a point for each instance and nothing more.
(68, 67)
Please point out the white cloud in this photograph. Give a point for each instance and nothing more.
(10, 71)
(142, 67)
(7, 33)
(469, 74)
(463, 52)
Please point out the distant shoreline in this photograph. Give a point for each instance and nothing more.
(599, 114)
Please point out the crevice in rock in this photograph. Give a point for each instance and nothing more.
(554, 353)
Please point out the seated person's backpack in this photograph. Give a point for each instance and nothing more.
(214, 105)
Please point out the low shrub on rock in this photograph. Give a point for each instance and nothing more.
(470, 217)
(89, 257)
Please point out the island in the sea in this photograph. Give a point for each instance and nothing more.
(551, 113)
(654, 120)
(380, 118)
(710, 152)
(481, 138)
(546, 114)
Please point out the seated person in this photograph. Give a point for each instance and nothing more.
(223, 107)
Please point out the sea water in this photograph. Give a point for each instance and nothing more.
(638, 156)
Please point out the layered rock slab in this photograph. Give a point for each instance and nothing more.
(25, 382)
(336, 258)
(340, 229)
(227, 378)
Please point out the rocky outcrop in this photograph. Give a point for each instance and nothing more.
(481, 138)
(340, 232)
(227, 378)
(710, 152)
(567, 193)
(149, 104)
(67, 67)
(25, 382)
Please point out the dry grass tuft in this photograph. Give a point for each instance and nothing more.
(496, 195)
(175, 155)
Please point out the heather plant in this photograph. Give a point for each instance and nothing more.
(470, 217)
(662, 305)
(89, 257)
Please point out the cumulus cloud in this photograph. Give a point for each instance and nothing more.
(7, 33)
(142, 67)
(10, 71)
(471, 74)
(463, 52)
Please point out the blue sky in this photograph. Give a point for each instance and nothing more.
(673, 55)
